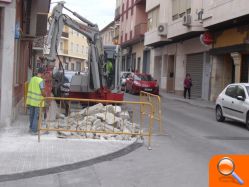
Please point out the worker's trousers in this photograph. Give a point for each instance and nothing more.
(33, 118)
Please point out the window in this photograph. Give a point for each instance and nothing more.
(121, 38)
(86, 50)
(130, 35)
(71, 46)
(180, 8)
(231, 91)
(82, 49)
(153, 19)
(72, 67)
(78, 66)
(61, 45)
(122, 16)
(66, 66)
(127, 9)
(77, 48)
(132, 6)
(240, 92)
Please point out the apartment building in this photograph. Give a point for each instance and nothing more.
(207, 39)
(73, 50)
(21, 21)
(227, 21)
(174, 29)
(133, 25)
(108, 34)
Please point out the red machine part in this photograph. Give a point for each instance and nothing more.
(102, 94)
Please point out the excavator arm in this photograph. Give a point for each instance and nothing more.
(86, 28)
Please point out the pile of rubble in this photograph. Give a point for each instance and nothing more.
(99, 118)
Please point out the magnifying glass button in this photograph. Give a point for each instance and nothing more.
(226, 167)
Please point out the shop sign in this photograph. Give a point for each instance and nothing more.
(5, 1)
(206, 38)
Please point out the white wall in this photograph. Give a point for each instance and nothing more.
(180, 50)
(150, 4)
(175, 27)
(7, 60)
(221, 10)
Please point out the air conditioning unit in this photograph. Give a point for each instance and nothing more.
(162, 29)
(186, 21)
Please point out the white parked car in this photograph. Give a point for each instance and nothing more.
(233, 103)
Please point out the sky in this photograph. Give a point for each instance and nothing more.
(96, 11)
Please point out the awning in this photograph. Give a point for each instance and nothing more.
(229, 49)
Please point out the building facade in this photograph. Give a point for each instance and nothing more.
(133, 25)
(228, 23)
(108, 34)
(174, 28)
(72, 50)
(21, 21)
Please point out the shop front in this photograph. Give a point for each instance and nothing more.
(230, 57)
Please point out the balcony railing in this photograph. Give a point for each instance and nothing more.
(117, 13)
(138, 35)
(140, 29)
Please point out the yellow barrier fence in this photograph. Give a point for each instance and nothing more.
(118, 118)
(155, 100)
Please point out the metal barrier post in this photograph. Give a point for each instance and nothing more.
(158, 114)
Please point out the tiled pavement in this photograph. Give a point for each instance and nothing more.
(20, 152)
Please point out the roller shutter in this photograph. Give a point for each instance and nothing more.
(194, 66)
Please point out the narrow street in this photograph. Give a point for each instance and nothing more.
(179, 159)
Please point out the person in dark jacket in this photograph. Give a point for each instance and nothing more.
(187, 86)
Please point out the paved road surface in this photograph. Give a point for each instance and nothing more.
(177, 160)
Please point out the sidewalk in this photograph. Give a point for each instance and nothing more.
(20, 151)
(195, 101)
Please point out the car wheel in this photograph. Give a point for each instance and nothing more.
(219, 114)
(247, 121)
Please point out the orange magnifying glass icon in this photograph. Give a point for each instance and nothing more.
(226, 167)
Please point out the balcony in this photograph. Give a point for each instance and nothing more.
(64, 35)
(153, 39)
(138, 36)
(117, 13)
(140, 2)
(140, 29)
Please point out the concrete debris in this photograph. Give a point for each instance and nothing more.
(105, 119)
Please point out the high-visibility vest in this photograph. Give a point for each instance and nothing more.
(34, 96)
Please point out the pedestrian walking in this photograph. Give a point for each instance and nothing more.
(34, 99)
(187, 86)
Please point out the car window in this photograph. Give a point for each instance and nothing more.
(240, 91)
(126, 75)
(231, 91)
(137, 78)
(247, 89)
(144, 77)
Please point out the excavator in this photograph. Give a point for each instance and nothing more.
(92, 85)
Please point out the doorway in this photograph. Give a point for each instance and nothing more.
(171, 74)
(146, 61)
(157, 69)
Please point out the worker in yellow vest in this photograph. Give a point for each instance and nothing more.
(35, 99)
